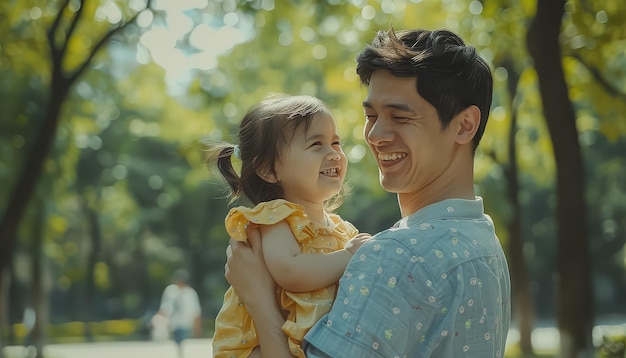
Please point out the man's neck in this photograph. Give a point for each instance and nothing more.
(456, 185)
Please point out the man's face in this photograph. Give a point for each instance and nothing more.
(404, 133)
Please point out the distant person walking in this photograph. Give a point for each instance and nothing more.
(181, 307)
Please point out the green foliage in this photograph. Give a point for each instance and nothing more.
(613, 347)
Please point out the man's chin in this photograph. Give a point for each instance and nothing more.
(388, 186)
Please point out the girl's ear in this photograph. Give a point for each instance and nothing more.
(267, 176)
(468, 124)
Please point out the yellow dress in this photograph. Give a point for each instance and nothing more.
(235, 335)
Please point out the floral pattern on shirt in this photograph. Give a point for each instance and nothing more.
(434, 285)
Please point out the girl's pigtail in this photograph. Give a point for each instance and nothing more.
(218, 154)
(225, 166)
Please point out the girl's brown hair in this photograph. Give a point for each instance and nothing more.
(265, 130)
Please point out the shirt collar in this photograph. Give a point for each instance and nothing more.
(446, 209)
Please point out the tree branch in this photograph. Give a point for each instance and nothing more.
(103, 41)
(53, 29)
(77, 15)
(595, 72)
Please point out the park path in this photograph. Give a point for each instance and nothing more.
(192, 348)
(545, 338)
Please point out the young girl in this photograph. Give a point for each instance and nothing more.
(292, 172)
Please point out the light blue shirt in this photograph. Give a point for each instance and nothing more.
(434, 285)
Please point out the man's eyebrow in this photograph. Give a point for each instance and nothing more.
(399, 106)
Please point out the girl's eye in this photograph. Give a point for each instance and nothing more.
(316, 143)
(337, 143)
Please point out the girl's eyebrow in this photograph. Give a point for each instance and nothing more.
(318, 137)
(313, 137)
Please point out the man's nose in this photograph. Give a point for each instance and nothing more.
(379, 132)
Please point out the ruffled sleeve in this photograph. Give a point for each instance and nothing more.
(343, 227)
(267, 213)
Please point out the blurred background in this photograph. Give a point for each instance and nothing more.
(104, 103)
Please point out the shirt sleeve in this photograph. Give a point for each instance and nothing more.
(266, 213)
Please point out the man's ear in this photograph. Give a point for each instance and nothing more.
(469, 120)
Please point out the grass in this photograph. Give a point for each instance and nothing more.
(515, 352)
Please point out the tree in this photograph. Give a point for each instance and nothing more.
(574, 290)
(522, 301)
(59, 40)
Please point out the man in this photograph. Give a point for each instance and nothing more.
(436, 284)
(181, 306)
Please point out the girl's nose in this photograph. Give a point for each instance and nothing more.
(332, 155)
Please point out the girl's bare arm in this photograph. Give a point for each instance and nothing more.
(298, 272)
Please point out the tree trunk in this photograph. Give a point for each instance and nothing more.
(96, 240)
(523, 304)
(38, 333)
(574, 290)
(31, 172)
(5, 288)
(27, 180)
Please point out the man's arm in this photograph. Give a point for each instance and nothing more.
(247, 273)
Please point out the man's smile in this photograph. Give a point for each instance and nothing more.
(391, 156)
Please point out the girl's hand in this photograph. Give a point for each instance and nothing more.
(245, 268)
(356, 242)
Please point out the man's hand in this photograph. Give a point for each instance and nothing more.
(248, 275)
(245, 268)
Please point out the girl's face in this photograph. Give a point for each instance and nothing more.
(312, 167)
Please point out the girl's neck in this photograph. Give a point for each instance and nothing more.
(315, 212)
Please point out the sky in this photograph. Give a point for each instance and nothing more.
(209, 35)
